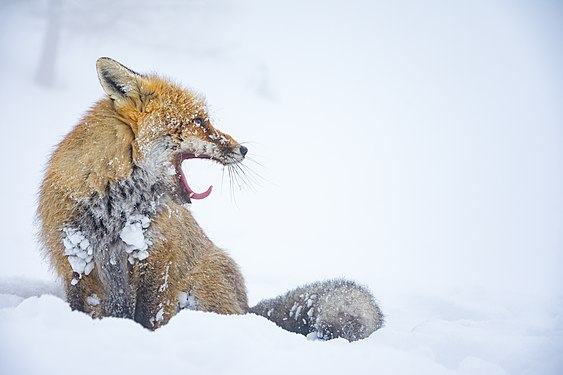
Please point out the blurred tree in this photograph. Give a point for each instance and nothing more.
(45, 74)
(194, 26)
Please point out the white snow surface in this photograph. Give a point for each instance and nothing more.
(415, 147)
(465, 332)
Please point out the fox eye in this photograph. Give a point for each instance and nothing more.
(200, 123)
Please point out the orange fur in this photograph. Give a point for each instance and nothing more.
(103, 150)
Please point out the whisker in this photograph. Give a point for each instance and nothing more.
(245, 175)
(222, 177)
(255, 176)
(231, 178)
(251, 159)
(239, 178)
(253, 179)
(241, 175)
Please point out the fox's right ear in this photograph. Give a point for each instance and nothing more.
(118, 81)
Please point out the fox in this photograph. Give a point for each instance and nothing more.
(116, 227)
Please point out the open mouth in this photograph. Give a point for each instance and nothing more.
(186, 191)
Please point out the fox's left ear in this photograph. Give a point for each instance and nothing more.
(118, 81)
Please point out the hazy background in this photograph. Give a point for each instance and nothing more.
(407, 145)
(416, 147)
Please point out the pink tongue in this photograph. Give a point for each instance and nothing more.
(192, 194)
(203, 195)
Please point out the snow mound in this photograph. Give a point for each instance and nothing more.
(423, 335)
(14, 290)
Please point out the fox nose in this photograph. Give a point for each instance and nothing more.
(243, 150)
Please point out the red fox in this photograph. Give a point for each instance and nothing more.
(117, 231)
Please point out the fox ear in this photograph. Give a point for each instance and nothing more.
(117, 80)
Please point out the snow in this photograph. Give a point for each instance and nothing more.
(93, 300)
(159, 314)
(415, 147)
(448, 338)
(164, 285)
(187, 301)
(133, 234)
(78, 251)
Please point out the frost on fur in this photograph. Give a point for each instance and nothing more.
(133, 234)
(79, 252)
(326, 310)
(187, 301)
(93, 300)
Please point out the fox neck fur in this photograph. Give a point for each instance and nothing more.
(144, 192)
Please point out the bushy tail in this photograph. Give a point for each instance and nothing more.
(326, 309)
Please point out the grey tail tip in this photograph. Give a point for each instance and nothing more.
(325, 310)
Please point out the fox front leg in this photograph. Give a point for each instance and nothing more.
(156, 301)
(85, 293)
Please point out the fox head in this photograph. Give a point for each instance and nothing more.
(167, 119)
